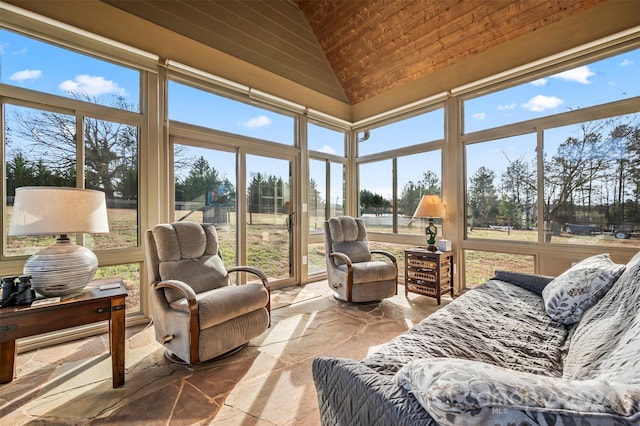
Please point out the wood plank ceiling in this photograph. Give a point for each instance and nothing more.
(376, 45)
(353, 50)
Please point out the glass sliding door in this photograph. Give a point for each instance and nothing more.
(270, 216)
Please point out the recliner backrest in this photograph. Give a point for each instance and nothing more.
(189, 252)
(348, 235)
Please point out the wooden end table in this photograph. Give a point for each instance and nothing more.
(428, 273)
(91, 306)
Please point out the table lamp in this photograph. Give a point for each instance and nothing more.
(430, 206)
(63, 268)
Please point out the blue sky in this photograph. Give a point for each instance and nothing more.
(34, 65)
(596, 83)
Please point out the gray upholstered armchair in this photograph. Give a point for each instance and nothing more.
(353, 274)
(197, 314)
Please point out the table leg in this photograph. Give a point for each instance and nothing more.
(116, 340)
(7, 361)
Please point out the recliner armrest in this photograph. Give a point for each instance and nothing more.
(182, 288)
(255, 271)
(190, 295)
(341, 256)
(387, 254)
(177, 285)
(263, 278)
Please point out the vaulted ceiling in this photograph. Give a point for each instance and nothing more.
(351, 58)
(356, 49)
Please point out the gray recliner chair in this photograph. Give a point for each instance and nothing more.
(352, 272)
(197, 314)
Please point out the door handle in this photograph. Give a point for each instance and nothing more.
(291, 221)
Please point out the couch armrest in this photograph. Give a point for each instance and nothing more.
(533, 282)
(352, 394)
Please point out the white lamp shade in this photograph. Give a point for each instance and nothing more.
(64, 268)
(46, 210)
(430, 206)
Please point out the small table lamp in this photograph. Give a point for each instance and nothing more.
(430, 206)
(63, 268)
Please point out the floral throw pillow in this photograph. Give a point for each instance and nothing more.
(464, 392)
(569, 295)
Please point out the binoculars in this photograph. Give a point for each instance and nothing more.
(17, 291)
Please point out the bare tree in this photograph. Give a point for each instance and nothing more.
(110, 149)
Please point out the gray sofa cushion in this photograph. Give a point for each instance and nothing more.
(496, 323)
(569, 295)
(533, 282)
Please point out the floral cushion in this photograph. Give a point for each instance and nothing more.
(605, 344)
(463, 392)
(569, 295)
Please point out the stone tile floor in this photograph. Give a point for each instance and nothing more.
(268, 382)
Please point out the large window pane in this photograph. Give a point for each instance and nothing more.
(376, 194)
(592, 182)
(190, 105)
(130, 274)
(325, 140)
(317, 195)
(40, 151)
(43, 67)
(501, 189)
(418, 175)
(111, 166)
(316, 259)
(597, 83)
(336, 189)
(419, 129)
(396, 249)
(482, 265)
(326, 199)
(269, 216)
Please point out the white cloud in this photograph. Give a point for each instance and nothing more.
(26, 75)
(626, 62)
(479, 116)
(577, 75)
(327, 150)
(91, 86)
(540, 103)
(540, 82)
(508, 107)
(256, 122)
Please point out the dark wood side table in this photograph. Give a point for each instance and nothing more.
(91, 306)
(428, 273)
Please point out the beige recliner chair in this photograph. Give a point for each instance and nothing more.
(197, 314)
(352, 273)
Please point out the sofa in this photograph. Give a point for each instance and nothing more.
(520, 349)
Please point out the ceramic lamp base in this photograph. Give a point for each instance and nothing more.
(61, 269)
